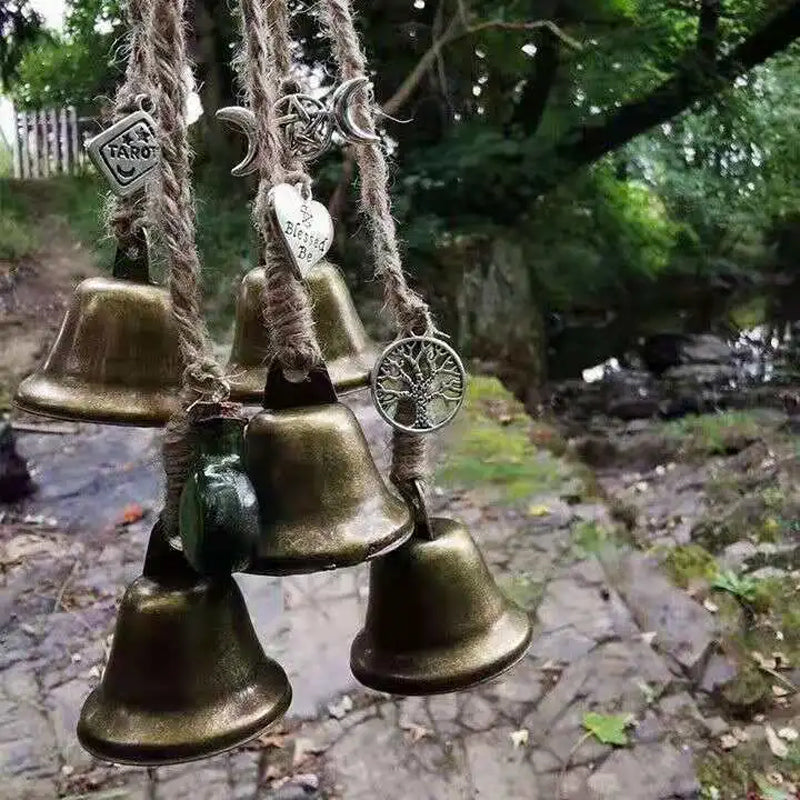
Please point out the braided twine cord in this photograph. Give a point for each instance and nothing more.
(204, 387)
(265, 67)
(411, 313)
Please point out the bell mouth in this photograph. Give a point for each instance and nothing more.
(63, 397)
(449, 668)
(124, 734)
(348, 374)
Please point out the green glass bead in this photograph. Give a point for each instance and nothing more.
(219, 511)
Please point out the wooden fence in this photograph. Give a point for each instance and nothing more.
(50, 142)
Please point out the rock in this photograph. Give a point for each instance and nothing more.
(684, 628)
(15, 480)
(664, 351)
(706, 349)
(719, 671)
(701, 374)
(765, 573)
(631, 395)
(737, 554)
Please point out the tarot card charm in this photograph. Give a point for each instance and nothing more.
(127, 153)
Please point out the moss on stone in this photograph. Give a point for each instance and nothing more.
(715, 434)
(687, 564)
(522, 590)
(491, 445)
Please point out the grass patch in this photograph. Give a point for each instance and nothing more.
(18, 237)
(687, 564)
(491, 445)
(591, 539)
(715, 434)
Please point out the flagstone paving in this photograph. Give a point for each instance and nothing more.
(611, 635)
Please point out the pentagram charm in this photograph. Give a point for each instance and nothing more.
(304, 124)
(418, 384)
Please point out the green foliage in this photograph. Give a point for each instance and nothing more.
(589, 538)
(688, 563)
(742, 587)
(608, 728)
(17, 238)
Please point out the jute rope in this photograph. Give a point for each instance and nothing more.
(264, 66)
(204, 383)
(127, 215)
(411, 313)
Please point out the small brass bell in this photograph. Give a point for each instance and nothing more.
(322, 502)
(186, 677)
(436, 621)
(116, 359)
(348, 352)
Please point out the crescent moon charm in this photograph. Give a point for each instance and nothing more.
(342, 112)
(245, 120)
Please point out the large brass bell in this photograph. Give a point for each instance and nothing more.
(348, 352)
(436, 620)
(186, 677)
(116, 359)
(322, 502)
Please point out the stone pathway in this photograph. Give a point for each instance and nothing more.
(611, 636)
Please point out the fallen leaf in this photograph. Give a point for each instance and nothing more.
(649, 637)
(133, 512)
(741, 734)
(789, 734)
(303, 748)
(728, 741)
(308, 781)
(608, 728)
(272, 740)
(416, 732)
(779, 691)
(520, 738)
(710, 607)
(339, 710)
(538, 511)
(778, 747)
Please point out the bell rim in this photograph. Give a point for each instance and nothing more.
(276, 566)
(81, 401)
(348, 373)
(162, 754)
(393, 678)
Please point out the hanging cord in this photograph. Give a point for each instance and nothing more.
(204, 386)
(411, 313)
(128, 215)
(264, 66)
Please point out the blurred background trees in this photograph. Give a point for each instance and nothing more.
(566, 160)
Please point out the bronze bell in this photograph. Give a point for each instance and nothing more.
(348, 352)
(186, 677)
(436, 621)
(116, 359)
(322, 503)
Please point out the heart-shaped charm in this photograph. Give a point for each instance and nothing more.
(304, 225)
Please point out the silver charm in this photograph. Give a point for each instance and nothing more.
(245, 119)
(418, 384)
(127, 153)
(304, 225)
(306, 124)
(342, 112)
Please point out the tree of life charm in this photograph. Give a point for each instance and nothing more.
(127, 152)
(418, 384)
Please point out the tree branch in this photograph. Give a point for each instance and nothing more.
(591, 142)
(452, 33)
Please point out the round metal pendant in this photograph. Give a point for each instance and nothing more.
(418, 384)
(305, 125)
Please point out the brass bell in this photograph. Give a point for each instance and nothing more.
(116, 359)
(322, 503)
(348, 352)
(436, 621)
(186, 677)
